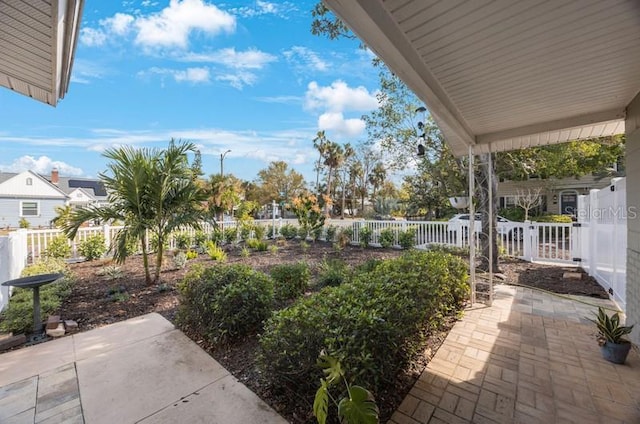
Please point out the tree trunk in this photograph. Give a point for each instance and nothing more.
(328, 194)
(145, 259)
(159, 254)
(482, 173)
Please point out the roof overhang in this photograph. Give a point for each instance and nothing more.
(508, 74)
(37, 45)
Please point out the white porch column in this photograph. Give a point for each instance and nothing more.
(632, 131)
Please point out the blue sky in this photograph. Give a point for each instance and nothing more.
(241, 75)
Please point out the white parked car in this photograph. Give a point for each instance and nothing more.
(505, 226)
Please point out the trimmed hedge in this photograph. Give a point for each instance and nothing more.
(291, 280)
(224, 301)
(373, 324)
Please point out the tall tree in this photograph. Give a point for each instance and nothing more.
(377, 179)
(279, 182)
(152, 192)
(349, 153)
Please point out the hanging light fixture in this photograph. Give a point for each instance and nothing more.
(420, 151)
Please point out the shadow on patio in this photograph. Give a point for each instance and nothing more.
(532, 357)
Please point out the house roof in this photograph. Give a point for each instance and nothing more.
(37, 46)
(92, 187)
(47, 190)
(508, 74)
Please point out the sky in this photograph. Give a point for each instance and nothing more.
(246, 76)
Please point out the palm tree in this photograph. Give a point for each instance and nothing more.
(153, 192)
(376, 178)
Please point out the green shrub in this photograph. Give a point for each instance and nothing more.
(216, 253)
(316, 233)
(93, 247)
(407, 238)
(217, 236)
(191, 254)
(224, 302)
(245, 252)
(230, 235)
(290, 280)
(373, 325)
(273, 249)
(24, 223)
(58, 247)
(183, 240)
(332, 272)
(200, 239)
(303, 232)
(288, 231)
(364, 235)
(557, 219)
(512, 213)
(245, 231)
(330, 235)
(259, 245)
(387, 237)
(17, 316)
(110, 272)
(179, 260)
(345, 236)
(259, 231)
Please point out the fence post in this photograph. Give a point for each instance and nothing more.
(593, 231)
(106, 232)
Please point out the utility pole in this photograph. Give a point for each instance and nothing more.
(222, 156)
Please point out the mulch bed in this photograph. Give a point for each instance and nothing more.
(92, 304)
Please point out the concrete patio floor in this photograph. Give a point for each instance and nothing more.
(141, 370)
(529, 358)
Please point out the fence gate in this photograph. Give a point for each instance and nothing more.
(549, 242)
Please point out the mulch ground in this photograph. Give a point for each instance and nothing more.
(98, 300)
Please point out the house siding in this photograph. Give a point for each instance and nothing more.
(632, 128)
(10, 211)
(554, 187)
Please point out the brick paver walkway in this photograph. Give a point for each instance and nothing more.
(530, 358)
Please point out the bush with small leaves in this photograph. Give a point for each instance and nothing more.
(93, 247)
(259, 231)
(215, 253)
(364, 235)
(387, 237)
(345, 236)
(245, 252)
(224, 302)
(317, 232)
(183, 240)
(217, 236)
(230, 235)
(200, 239)
(17, 316)
(373, 325)
(259, 245)
(179, 260)
(330, 234)
(110, 272)
(191, 254)
(332, 272)
(288, 231)
(290, 280)
(24, 223)
(58, 247)
(407, 238)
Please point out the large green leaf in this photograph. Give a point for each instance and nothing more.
(330, 366)
(321, 403)
(359, 408)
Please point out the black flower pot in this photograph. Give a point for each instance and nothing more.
(615, 352)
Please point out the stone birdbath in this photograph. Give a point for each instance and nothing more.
(34, 282)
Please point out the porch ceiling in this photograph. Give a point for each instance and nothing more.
(509, 74)
(37, 44)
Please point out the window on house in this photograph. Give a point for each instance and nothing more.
(29, 181)
(29, 209)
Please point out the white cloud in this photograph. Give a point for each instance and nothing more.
(335, 121)
(169, 28)
(192, 75)
(84, 71)
(172, 26)
(248, 59)
(339, 97)
(280, 99)
(92, 37)
(42, 165)
(303, 59)
(239, 79)
(260, 7)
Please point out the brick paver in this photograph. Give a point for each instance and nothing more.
(529, 358)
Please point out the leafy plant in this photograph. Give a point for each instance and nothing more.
(224, 302)
(273, 249)
(288, 231)
(200, 239)
(364, 234)
(345, 236)
(407, 238)
(259, 231)
(332, 272)
(216, 253)
(58, 247)
(24, 223)
(330, 234)
(307, 209)
(609, 328)
(230, 235)
(259, 245)
(245, 252)
(93, 247)
(191, 254)
(179, 260)
(374, 323)
(245, 231)
(154, 243)
(111, 272)
(359, 406)
(183, 240)
(317, 233)
(304, 246)
(117, 294)
(387, 237)
(291, 280)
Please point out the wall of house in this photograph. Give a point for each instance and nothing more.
(553, 187)
(632, 129)
(10, 212)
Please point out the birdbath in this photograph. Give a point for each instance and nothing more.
(34, 282)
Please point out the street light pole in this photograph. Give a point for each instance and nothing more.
(222, 156)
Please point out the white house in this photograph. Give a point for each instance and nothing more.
(28, 196)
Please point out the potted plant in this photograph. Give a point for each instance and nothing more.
(613, 345)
